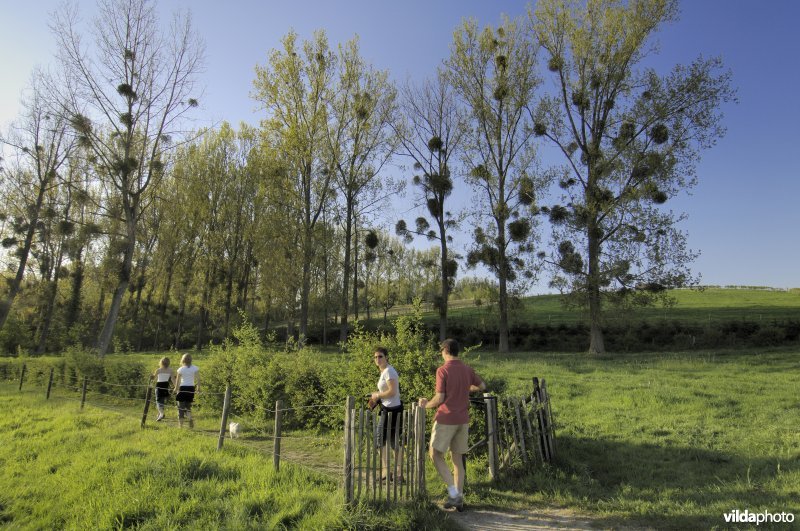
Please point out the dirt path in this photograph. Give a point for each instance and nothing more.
(492, 520)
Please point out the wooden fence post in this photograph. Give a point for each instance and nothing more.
(537, 396)
(518, 416)
(420, 443)
(348, 450)
(226, 404)
(276, 442)
(491, 433)
(359, 446)
(21, 376)
(147, 398)
(83, 391)
(551, 436)
(50, 382)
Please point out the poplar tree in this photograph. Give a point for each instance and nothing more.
(124, 97)
(494, 71)
(431, 136)
(630, 138)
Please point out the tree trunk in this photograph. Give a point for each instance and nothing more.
(306, 289)
(5, 305)
(74, 304)
(50, 304)
(502, 305)
(348, 238)
(445, 287)
(203, 314)
(116, 301)
(355, 270)
(162, 306)
(596, 343)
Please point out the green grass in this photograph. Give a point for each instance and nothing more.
(63, 468)
(709, 305)
(671, 441)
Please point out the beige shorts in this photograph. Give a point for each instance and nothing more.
(452, 436)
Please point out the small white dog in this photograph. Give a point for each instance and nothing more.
(234, 429)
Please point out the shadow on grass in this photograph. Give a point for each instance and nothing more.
(652, 486)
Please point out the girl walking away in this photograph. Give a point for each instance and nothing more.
(164, 377)
(187, 384)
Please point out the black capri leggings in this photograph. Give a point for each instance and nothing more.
(396, 430)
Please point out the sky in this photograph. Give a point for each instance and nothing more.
(743, 216)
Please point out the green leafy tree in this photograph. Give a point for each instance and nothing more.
(360, 142)
(630, 139)
(295, 88)
(41, 145)
(494, 72)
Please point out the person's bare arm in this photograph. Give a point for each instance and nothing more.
(436, 401)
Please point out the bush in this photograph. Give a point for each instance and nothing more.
(127, 378)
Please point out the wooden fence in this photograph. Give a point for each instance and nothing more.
(375, 469)
(513, 431)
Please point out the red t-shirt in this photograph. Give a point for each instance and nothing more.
(454, 379)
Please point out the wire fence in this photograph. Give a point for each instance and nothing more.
(384, 452)
(297, 448)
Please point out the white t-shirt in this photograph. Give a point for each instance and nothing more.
(383, 385)
(186, 375)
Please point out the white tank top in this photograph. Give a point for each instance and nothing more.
(163, 376)
(186, 375)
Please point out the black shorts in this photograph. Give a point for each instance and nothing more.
(395, 432)
(162, 392)
(185, 394)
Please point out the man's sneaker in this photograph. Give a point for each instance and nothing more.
(456, 502)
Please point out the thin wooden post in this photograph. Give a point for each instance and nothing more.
(147, 398)
(226, 404)
(532, 441)
(375, 457)
(22, 376)
(396, 468)
(348, 450)
(551, 435)
(491, 433)
(537, 395)
(368, 445)
(518, 416)
(512, 424)
(276, 440)
(50, 382)
(83, 391)
(361, 417)
(420, 442)
(412, 449)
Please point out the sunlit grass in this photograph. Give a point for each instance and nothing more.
(668, 440)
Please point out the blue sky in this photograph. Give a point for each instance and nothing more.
(743, 215)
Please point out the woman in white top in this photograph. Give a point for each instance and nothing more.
(391, 409)
(187, 383)
(164, 375)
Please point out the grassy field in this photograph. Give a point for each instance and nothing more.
(709, 305)
(63, 468)
(669, 441)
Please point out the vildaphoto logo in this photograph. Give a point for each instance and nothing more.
(746, 517)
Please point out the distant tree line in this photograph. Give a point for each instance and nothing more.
(123, 229)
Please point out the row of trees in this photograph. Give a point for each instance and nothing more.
(281, 221)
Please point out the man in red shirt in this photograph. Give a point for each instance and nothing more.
(454, 381)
